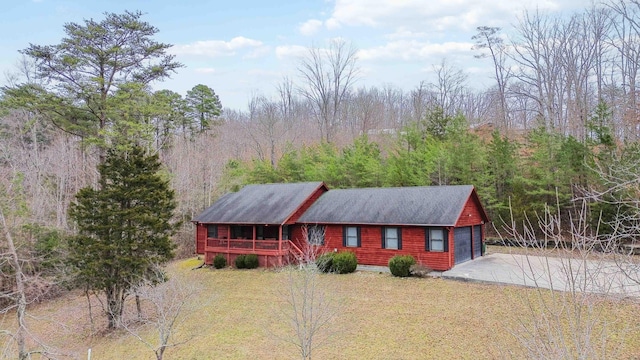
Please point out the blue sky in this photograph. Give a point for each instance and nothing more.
(244, 47)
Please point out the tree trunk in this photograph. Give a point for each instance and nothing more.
(138, 306)
(93, 328)
(21, 300)
(115, 301)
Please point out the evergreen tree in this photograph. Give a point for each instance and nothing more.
(204, 106)
(502, 167)
(411, 164)
(362, 164)
(86, 69)
(124, 227)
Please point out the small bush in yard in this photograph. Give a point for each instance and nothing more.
(419, 270)
(240, 263)
(400, 265)
(324, 262)
(251, 261)
(219, 261)
(344, 262)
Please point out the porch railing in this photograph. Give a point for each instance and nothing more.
(247, 244)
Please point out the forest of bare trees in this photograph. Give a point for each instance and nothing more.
(549, 71)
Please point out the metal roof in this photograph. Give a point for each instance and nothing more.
(259, 204)
(420, 205)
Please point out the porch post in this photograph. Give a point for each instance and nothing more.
(280, 245)
(254, 238)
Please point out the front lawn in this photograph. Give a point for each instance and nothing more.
(378, 317)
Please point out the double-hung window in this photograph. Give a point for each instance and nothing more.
(436, 239)
(391, 238)
(351, 236)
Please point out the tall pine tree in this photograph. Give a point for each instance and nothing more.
(124, 227)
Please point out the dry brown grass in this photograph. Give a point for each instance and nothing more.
(380, 317)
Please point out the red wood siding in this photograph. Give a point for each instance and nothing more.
(305, 205)
(371, 252)
(471, 214)
(201, 238)
(295, 234)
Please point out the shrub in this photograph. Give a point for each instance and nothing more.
(240, 263)
(251, 261)
(419, 270)
(219, 261)
(344, 262)
(400, 265)
(324, 262)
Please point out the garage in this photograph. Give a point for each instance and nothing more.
(477, 241)
(462, 244)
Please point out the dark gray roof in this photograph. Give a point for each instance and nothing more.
(421, 205)
(259, 204)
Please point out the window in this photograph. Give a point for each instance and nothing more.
(351, 236)
(241, 232)
(212, 231)
(315, 235)
(391, 238)
(285, 232)
(436, 239)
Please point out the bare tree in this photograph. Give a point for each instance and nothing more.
(267, 126)
(365, 110)
(20, 284)
(489, 38)
(163, 307)
(572, 284)
(18, 296)
(449, 87)
(309, 304)
(328, 75)
(537, 56)
(624, 39)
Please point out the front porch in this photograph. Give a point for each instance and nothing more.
(270, 242)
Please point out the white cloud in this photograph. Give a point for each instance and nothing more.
(435, 15)
(310, 27)
(258, 52)
(205, 70)
(286, 51)
(216, 48)
(414, 50)
(404, 33)
(332, 24)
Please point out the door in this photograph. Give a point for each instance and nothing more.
(477, 241)
(462, 244)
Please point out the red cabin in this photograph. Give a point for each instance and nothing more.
(438, 225)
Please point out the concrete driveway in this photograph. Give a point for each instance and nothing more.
(591, 276)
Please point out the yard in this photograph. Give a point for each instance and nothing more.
(378, 317)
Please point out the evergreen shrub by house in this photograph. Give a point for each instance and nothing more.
(219, 261)
(324, 262)
(400, 265)
(344, 262)
(251, 261)
(240, 262)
